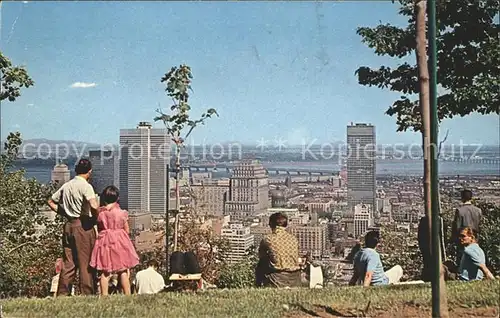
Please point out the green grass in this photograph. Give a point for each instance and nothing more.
(252, 302)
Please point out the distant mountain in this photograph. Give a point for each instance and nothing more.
(56, 142)
(44, 148)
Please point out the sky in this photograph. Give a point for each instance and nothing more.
(273, 70)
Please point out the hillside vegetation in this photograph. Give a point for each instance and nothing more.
(465, 299)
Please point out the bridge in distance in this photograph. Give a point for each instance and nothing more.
(200, 167)
(275, 170)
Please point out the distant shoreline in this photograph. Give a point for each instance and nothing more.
(385, 169)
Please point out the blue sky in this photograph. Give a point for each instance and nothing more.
(272, 70)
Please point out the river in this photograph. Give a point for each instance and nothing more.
(384, 168)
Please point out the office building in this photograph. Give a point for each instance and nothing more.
(209, 196)
(259, 231)
(105, 169)
(140, 222)
(363, 219)
(60, 174)
(361, 165)
(240, 242)
(313, 239)
(248, 191)
(144, 155)
(278, 198)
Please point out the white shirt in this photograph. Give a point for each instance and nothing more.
(75, 196)
(149, 281)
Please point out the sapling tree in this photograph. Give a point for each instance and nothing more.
(179, 123)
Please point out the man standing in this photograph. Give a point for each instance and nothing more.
(77, 201)
(149, 281)
(368, 266)
(467, 215)
(278, 256)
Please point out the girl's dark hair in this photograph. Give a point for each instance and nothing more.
(110, 194)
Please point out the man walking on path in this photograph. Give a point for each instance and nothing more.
(77, 201)
(467, 215)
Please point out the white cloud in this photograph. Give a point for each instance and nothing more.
(82, 85)
(25, 2)
(30, 105)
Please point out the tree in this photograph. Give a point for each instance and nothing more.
(13, 79)
(240, 274)
(489, 240)
(468, 61)
(179, 125)
(407, 256)
(468, 68)
(208, 248)
(193, 236)
(29, 241)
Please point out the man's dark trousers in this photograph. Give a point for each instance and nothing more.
(79, 237)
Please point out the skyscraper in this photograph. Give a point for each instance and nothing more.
(144, 155)
(361, 165)
(105, 169)
(248, 191)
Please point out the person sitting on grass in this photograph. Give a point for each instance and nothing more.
(368, 266)
(473, 263)
(278, 264)
(149, 281)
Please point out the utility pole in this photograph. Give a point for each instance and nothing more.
(167, 218)
(439, 298)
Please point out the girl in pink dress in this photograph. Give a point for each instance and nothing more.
(113, 251)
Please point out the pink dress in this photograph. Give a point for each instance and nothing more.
(113, 250)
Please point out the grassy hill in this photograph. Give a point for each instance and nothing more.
(465, 299)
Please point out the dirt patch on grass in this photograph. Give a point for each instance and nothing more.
(404, 311)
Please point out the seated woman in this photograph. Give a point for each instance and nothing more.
(473, 262)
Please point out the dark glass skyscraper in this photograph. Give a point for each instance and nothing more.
(361, 165)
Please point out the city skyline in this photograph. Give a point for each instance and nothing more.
(288, 75)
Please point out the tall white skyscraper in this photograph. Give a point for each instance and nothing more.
(361, 165)
(105, 169)
(144, 155)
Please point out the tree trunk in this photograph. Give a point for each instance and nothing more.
(177, 193)
(424, 101)
(423, 78)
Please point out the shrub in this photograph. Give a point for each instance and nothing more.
(29, 242)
